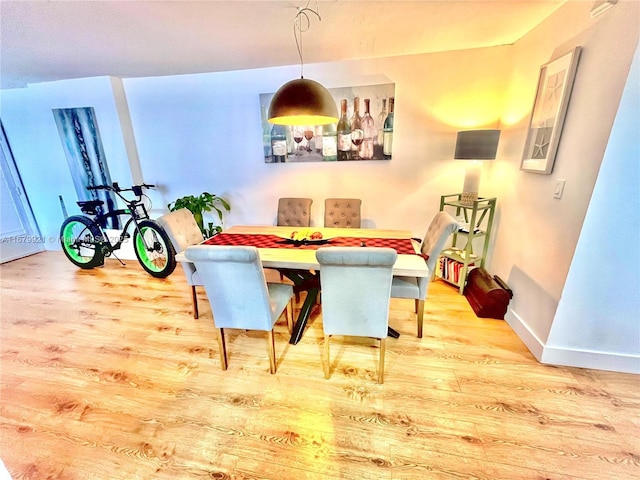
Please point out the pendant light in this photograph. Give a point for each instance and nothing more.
(302, 101)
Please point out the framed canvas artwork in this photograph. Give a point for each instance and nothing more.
(549, 109)
(82, 144)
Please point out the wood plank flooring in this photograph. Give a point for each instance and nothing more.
(106, 375)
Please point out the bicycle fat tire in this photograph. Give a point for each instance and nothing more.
(81, 241)
(160, 261)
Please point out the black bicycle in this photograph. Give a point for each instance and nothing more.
(85, 243)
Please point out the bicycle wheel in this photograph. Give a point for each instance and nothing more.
(154, 249)
(81, 241)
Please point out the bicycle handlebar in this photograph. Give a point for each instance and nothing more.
(116, 188)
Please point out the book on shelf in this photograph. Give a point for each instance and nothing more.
(450, 269)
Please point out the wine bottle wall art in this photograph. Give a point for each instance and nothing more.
(364, 130)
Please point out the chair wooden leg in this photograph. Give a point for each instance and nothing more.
(326, 363)
(194, 299)
(223, 349)
(416, 306)
(272, 352)
(420, 317)
(383, 347)
(289, 314)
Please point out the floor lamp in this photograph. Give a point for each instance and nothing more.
(475, 145)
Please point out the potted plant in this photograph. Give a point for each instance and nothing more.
(205, 202)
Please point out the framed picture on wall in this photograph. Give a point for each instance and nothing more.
(82, 144)
(549, 109)
(369, 138)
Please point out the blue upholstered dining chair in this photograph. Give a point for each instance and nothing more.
(356, 284)
(441, 227)
(183, 232)
(239, 294)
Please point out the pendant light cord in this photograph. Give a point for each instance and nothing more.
(298, 28)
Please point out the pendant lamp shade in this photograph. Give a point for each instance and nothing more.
(302, 102)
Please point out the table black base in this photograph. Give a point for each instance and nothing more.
(303, 316)
(392, 333)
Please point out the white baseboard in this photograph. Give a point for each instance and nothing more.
(530, 339)
(615, 362)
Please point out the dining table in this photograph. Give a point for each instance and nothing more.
(296, 259)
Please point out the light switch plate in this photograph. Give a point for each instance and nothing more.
(557, 193)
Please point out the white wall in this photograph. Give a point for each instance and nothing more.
(202, 132)
(602, 290)
(31, 129)
(537, 233)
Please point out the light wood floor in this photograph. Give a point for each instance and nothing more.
(106, 375)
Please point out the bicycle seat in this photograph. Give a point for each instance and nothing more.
(89, 206)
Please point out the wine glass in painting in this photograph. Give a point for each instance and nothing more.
(308, 134)
(297, 137)
(357, 136)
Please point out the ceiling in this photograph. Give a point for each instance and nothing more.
(58, 39)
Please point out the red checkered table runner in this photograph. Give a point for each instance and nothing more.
(401, 245)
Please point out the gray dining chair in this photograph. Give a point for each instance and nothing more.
(183, 232)
(342, 212)
(239, 294)
(356, 286)
(294, 212)
(441, 227)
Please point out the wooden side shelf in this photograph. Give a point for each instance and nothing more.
(456, 261)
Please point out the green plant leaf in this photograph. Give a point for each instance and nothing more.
(205, 202)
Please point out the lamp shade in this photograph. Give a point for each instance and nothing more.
(477, 144)
(302, 102)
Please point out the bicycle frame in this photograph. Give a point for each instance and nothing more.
(135, 210)
(86, 244)
(123, 236)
